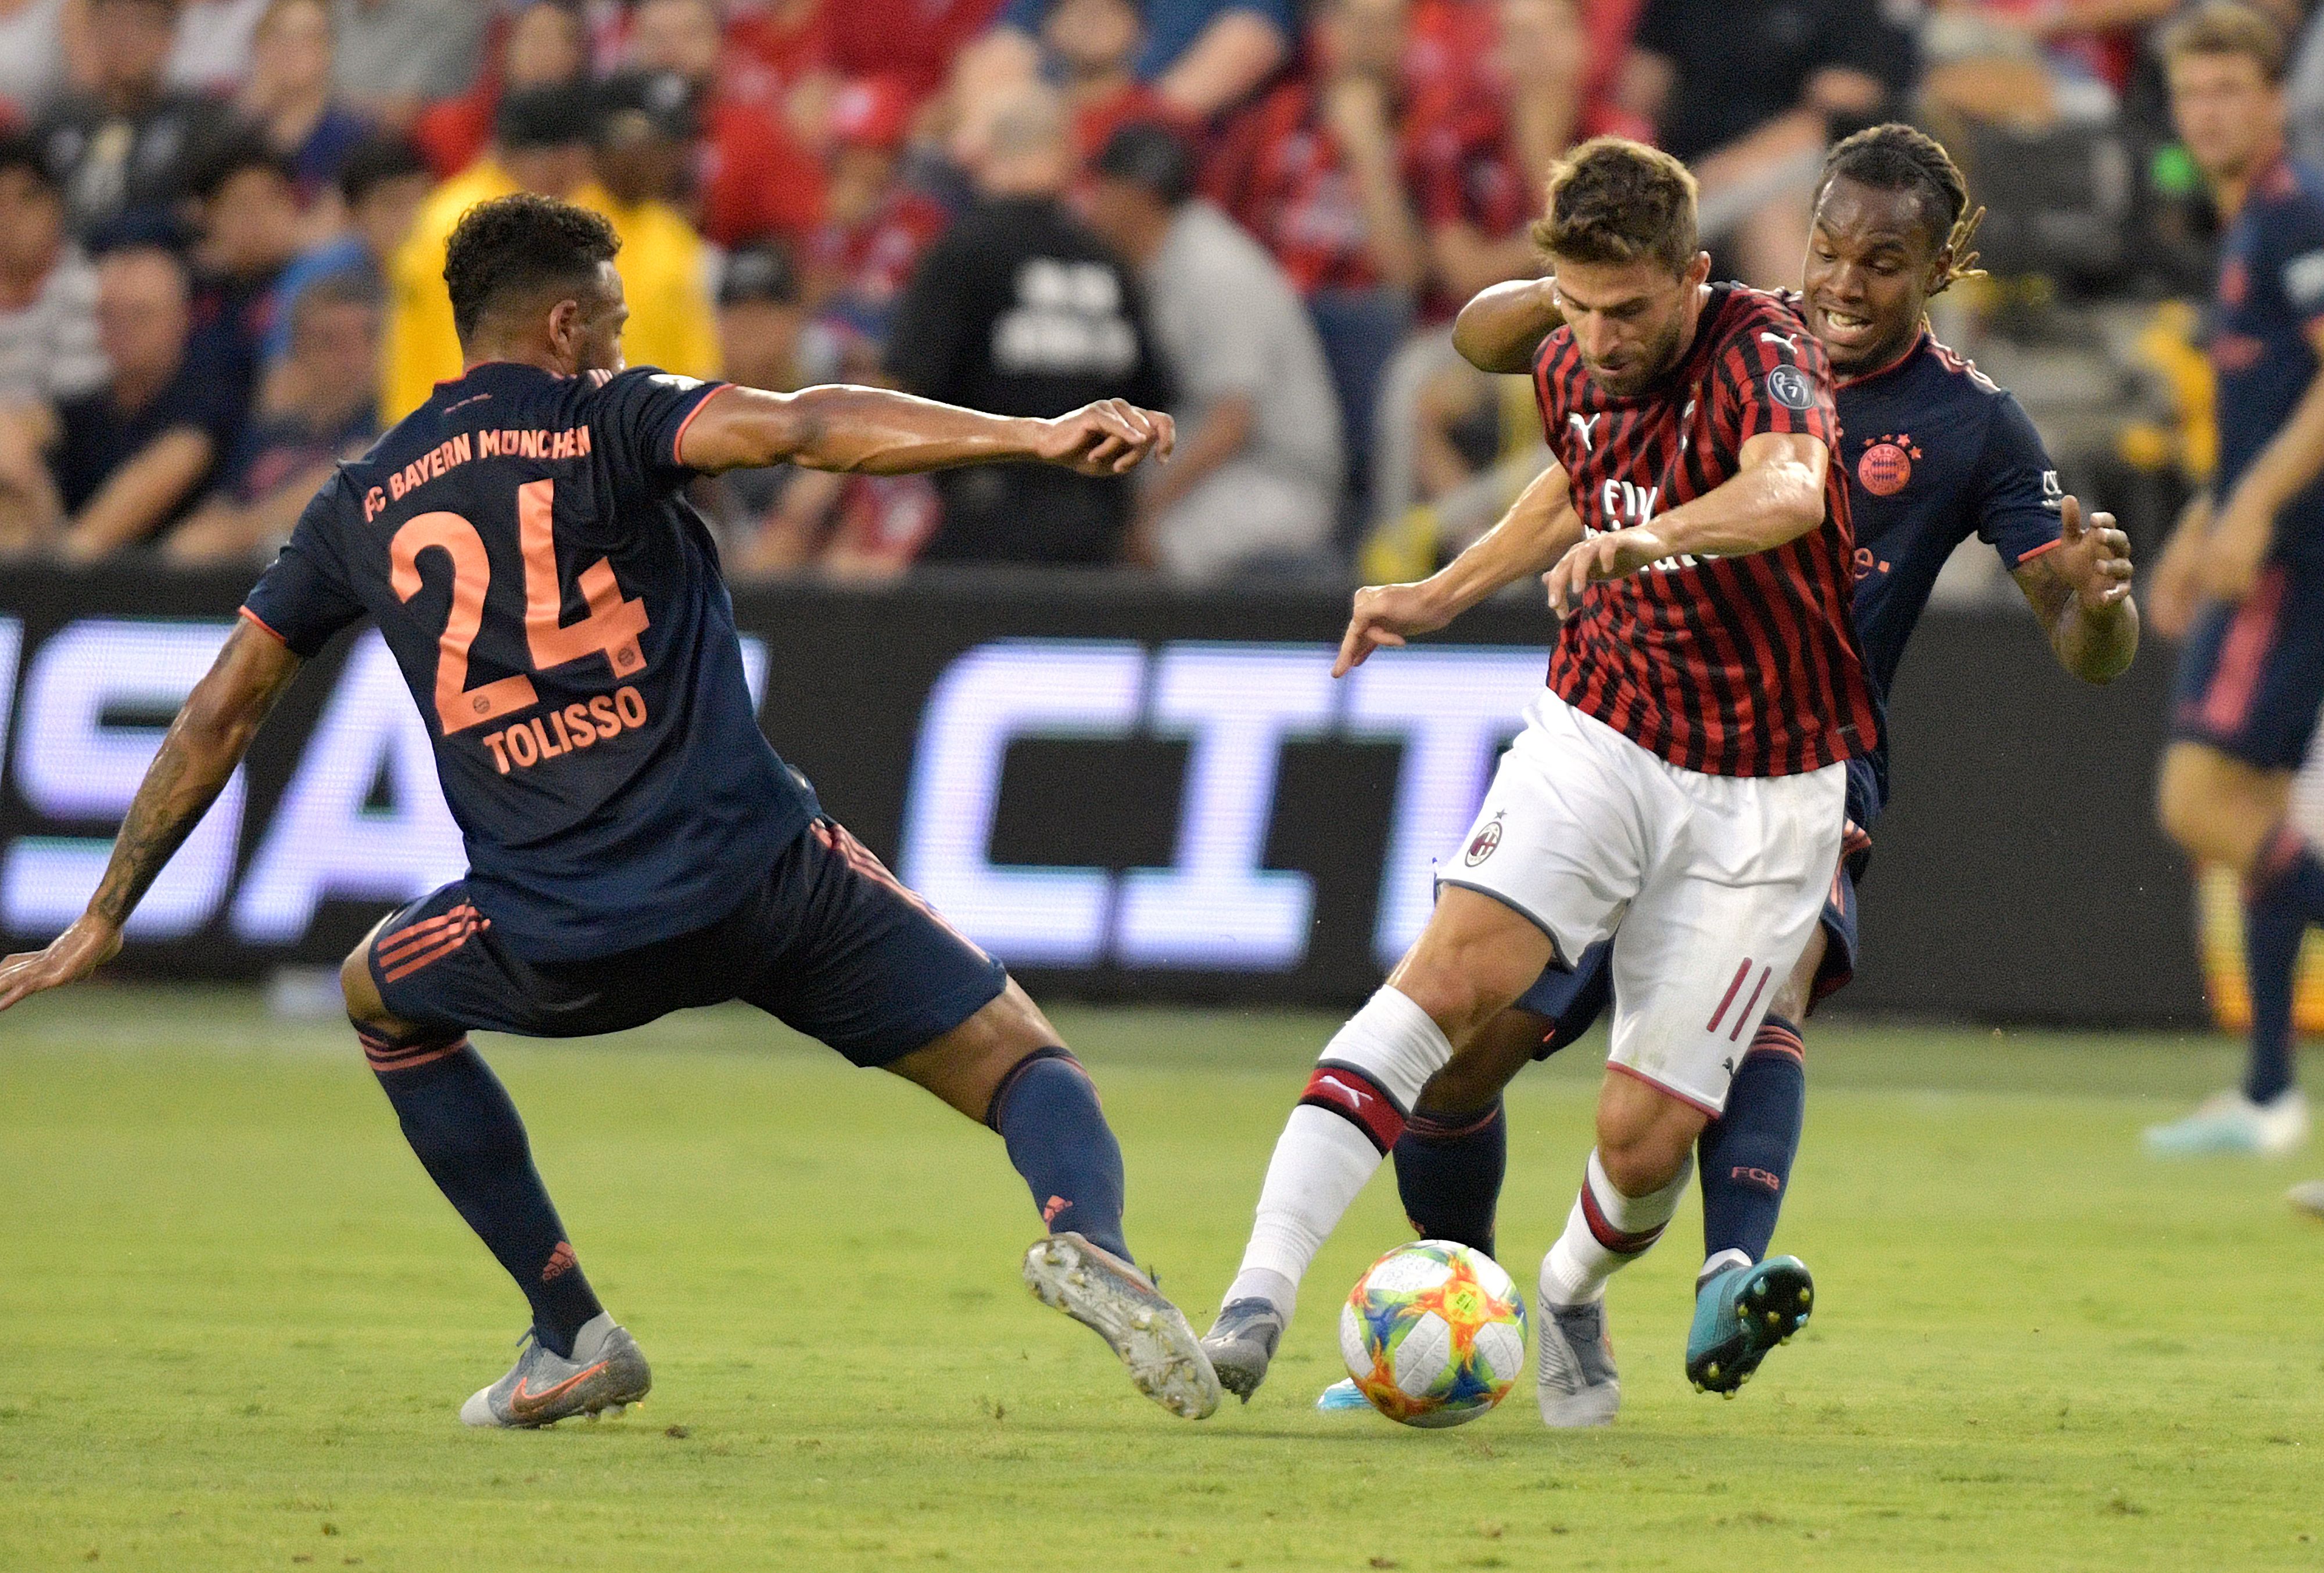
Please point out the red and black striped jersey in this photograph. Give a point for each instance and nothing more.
(1742, 666)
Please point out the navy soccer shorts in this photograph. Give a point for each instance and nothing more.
(1573, 999)
(2251, 675)
(830, 943)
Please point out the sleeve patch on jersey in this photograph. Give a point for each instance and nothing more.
(2304, 280)
(673, 381)
(1791, 388)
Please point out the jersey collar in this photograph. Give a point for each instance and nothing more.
(1920, 341)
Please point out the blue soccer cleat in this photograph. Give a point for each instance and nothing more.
(1740, 1314)
(1342, 1397)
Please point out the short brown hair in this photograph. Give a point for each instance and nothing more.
(1614, 200)
(2228, 27)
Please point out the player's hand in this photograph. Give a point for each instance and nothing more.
(71, 956)
(1611, 556)
(2092, 557)
(2236, 548)
(1108, 437)
(1386, 615)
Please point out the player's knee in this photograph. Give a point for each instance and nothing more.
(356, 988)
(2218, 808)
(1484, 1065)
(1645, 1136)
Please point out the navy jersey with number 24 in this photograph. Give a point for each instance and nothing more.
(555, 607)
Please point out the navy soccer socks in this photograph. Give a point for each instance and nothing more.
(1045, 1109)
(1449, 1170)
(1745, 1156)
(2284, 894)
(467, 1134)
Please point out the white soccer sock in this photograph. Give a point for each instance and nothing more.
(1347, 1119)
(1605, 1233)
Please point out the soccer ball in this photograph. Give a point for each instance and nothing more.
(1433, 1333)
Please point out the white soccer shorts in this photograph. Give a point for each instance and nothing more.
(1716, 883)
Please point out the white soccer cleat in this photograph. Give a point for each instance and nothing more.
(2228, 1122)
(1121, 1304)
(1575, 1373)
(2307, 1196)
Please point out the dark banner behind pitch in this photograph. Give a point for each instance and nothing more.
(1124, 793)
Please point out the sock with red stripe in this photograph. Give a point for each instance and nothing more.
(1746, 1153)
(1045, 1109)
(1350, 1114)
(2284, 894)
(467, 1134)
(1449, 1170)
(1605, 1233)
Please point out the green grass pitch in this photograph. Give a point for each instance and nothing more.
(235, 1321)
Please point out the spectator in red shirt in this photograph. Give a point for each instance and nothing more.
(1495, 91)
(875, 223)
(1314, 169)
(543, 44)
(756, 179)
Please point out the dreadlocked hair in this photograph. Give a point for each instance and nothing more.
(1895, 157)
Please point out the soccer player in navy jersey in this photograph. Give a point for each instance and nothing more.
(1683, 775)
(634, 845)
(2241, 580)
(1934, 452)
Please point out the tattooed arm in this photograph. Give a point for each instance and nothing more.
(196, 758)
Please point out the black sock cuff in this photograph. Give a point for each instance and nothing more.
(1016, 1072)
(384, 1053)
(1426, 1126)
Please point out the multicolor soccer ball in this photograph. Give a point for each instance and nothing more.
(1433, 1333)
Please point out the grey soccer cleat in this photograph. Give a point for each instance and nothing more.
(1242, 1342)
(1121, 1304)
(607, 1371)
(1575, 1372)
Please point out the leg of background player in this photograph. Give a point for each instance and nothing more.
(2223, 811)
(467, 1135)
(1454, 1153)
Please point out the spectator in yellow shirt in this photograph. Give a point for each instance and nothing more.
(645, 127)
(542, 143)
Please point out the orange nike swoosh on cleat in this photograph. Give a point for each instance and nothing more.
(525, 1405)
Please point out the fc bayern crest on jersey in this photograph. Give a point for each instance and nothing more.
(1481, 845)
(1791, 388)
(1887, 466)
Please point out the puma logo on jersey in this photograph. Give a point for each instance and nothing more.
(1789, 341)
(1585, 428)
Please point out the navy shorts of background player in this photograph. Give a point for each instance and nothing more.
(2251, 674)
(1936, 453)
(634, 845)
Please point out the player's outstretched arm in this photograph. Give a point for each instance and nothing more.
(1537, 529)
(1501, 328)
(879, 432)
(2080, 590)
(212, 732)
(1776, 495)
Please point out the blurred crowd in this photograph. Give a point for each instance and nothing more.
(222, 228)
